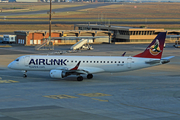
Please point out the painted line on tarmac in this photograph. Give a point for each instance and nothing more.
(22, 77)
(7, 81)
(100, 100)
(60, 96)
(149, 109)
(86, 95)
(94, 94)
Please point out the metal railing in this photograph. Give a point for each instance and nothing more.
(46, 45)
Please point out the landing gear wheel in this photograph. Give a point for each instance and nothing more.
(25, 75)
(80, 78)
(89, 76)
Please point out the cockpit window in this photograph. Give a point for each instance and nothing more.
(17, 60)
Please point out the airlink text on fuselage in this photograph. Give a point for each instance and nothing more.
(47, 62)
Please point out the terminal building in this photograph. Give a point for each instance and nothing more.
(124, 34)
(103, 34)
(35, 37)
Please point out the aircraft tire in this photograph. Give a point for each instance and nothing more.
(80, 78)
(25, 75)
(89, 76)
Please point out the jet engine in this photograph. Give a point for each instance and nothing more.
(57, 74)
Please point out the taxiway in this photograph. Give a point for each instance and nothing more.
(146, 94)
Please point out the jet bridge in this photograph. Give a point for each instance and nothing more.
(82, 44)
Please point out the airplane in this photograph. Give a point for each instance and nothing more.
(63, 66)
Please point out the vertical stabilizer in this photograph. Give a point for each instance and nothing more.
(155, 49)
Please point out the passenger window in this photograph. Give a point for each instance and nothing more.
(90, 61)
(87, 61)
(97, 61)
(83, 61)
(94, 61)
(75, 61)
(111, 61)
(115, 62)
(107, 61)
(101, 62)
(119, 62)
(122, 61)
(104, 61)
(71, 61)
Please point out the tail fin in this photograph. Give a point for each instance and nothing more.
(155, 49)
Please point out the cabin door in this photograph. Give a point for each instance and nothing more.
(129, 61)
(26, 60)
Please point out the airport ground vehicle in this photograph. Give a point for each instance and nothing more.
(177, 44)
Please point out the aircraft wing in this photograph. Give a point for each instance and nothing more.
(82, 70)
(87, 70)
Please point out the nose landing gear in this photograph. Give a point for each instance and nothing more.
(24, 73)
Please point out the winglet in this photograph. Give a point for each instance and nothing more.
(76, 67)
(123, 53)
(155, 49)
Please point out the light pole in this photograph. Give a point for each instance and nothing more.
(50, 22)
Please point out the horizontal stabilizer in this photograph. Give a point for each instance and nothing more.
(152, 61)
(166, 59)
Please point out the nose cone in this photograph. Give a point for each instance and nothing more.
(9, 66)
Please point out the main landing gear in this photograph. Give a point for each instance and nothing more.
(24, 73)
(89, 76)
(80, 78)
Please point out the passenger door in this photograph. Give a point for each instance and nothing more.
(26, 60)
(129, 61)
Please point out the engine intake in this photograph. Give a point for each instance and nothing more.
(57, 74)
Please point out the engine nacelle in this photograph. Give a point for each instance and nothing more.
(57, 74)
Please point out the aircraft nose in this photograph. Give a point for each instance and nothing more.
(10, 65)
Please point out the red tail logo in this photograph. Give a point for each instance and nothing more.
(155, 49)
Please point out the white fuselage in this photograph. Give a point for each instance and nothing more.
(93, 64)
